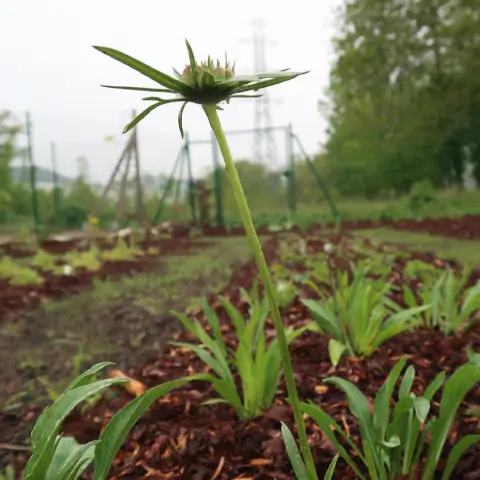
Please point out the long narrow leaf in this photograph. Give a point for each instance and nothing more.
(294, 454)
(457, 451)
(139, 89)
(331, 468)
(381, 404)
(359, 407)
(70, 459)
(214, 323)
(454, 391)
(326, 424)
(165, 80)
(141, 116)
(122, 422)
(88, 376)
(45, 431)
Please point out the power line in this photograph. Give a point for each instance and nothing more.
(264, 145)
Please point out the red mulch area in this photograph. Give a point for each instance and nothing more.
(15, 298)
(181, 439)
(465, 227)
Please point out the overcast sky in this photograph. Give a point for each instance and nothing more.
(47, 66)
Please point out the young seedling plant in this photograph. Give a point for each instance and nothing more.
(258, 364)
(393, 439)
(208, 84)
(359, 315)
(452, 306)
(55, 457)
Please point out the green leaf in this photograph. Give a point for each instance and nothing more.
(324, 317)
(392, 442)
(180, 118)
(276, 79)
(294, 454)
(44, 433)
(214, 323)
(215, 364)
(335, 351)
(193, 62)
(359, 407)
(453, 393)
(457, 452)
(331, 468)
(407, 382)
(381, 404)
(235, 316)
(139, 89)
(398, 323)
(187, 323)
(422, 407)
(434, 386)
(328, 425)
(228, 391)
(70, 459)
(165, 80)
(86, 377)
(122, 422)
(141, 116)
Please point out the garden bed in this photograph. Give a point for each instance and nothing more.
(179, 438)
(464, 227)
(15, 298)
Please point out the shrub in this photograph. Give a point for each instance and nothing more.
(421, 194)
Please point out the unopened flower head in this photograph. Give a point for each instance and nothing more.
(205, 83)
(207, 74)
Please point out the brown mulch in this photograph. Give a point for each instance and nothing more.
(181, 439)
(465, 227)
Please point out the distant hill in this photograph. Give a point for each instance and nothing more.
(43, 175)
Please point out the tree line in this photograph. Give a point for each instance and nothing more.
(404, 97)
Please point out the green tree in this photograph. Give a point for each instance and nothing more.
(9, 130)
(404, 94)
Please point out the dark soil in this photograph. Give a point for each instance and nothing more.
(181, 439)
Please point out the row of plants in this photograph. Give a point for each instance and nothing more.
(393, 439)
(32, 271)
(406, 438)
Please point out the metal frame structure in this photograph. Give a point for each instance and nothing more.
(184, 156)
(129, 153)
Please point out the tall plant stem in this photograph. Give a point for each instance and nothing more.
(211, 112)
